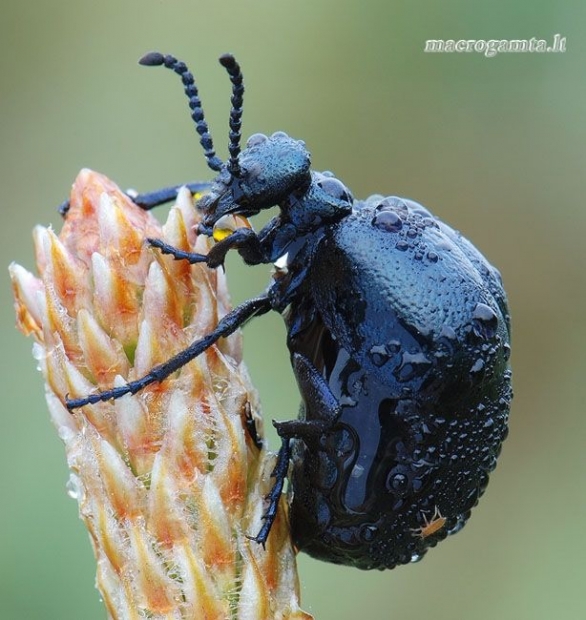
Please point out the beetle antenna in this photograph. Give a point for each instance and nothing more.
(233, 68)
(155, 59)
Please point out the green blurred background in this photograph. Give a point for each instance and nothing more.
(495, 146)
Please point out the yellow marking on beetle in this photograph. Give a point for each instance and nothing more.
(228, 224)
(198, 195)
(430, 526)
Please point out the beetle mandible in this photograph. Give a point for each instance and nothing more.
(398, 331)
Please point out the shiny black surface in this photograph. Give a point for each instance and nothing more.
(407, 323)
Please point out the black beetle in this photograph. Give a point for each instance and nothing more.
(398, 331)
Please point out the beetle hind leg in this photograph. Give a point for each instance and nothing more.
(325, 411)
(320, 403)
(279, 473)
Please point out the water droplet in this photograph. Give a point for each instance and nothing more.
(432, 257)
(397, 482)
(335, 188)
(347, 401)
(412, 365)
(448, 332)
(253, 171)
(393, 346)
(445, 246)
(375, 198)
(255, 139)
(368, 532)
(477, 367)
(392, 203)
(342, 441)
(482, 312)
(402, 246)
(460, 522)
(379, 355)
(357, 471)
(74, 487)
(486, 321)
(430, 222)
(388, 220)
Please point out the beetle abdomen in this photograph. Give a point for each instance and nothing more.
(412, 340)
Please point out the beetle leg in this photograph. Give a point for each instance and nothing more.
(228, 325)
(166, 194)
(245, 240)
(318, 396)
(176, 253)
(309, 431)
(249, 246)
(279, 473)
(319, 400)
(325, 411)
(251, 429)
(151, 199)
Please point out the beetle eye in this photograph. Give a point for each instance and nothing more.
(335, 188)
(228, 224)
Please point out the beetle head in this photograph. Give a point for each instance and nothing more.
(270, 169)
(266, 172)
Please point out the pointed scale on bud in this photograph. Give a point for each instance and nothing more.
(168, 481)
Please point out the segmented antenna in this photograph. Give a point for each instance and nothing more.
(233, 68)
(155, 59)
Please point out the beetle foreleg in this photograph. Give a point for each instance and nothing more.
(244, 239)
(152, 199)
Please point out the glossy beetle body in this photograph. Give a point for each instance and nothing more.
(399, 337)
(407, 324)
